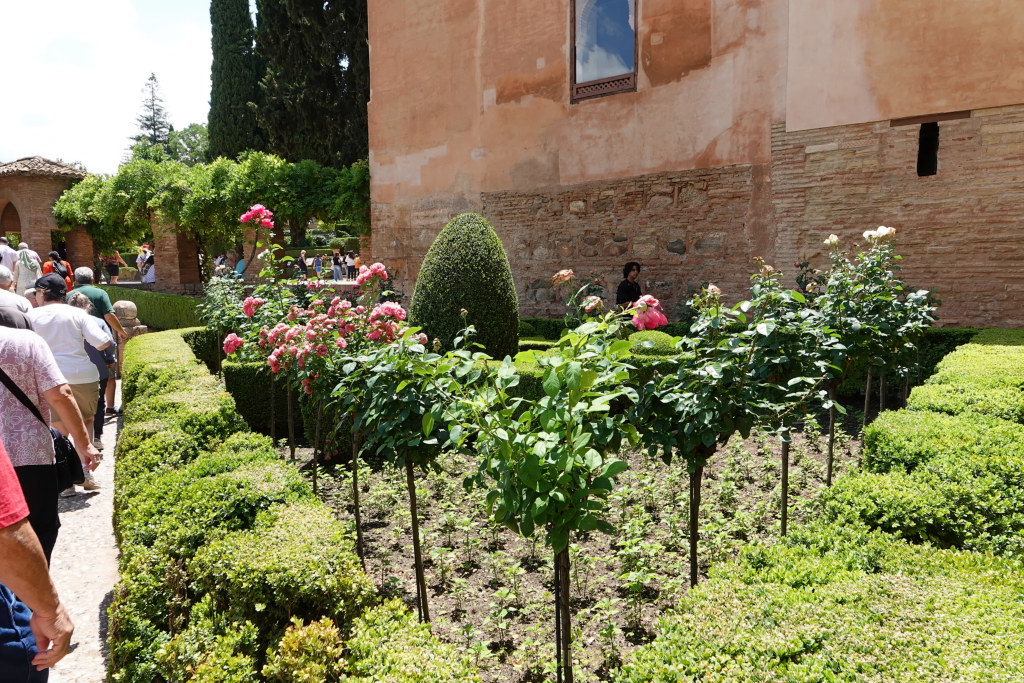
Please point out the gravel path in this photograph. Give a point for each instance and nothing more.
(84, 569)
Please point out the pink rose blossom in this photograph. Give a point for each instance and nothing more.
(232, 343)
(647, 313)
(341, 343)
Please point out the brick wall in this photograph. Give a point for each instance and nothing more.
(175, 260)
(958, 231)
(80, 249)
(33, 198)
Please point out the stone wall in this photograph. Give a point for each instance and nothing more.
(959, 230)
(685, 228)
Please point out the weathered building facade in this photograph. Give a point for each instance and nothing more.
(736, 128)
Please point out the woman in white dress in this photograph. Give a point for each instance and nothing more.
(26, 269)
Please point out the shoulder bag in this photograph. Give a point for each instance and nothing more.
(69, 467)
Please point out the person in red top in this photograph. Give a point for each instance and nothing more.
(29, 643)
(56, 265)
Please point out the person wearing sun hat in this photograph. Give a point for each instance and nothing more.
(140, 260)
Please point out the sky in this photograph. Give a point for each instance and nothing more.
(72, 73)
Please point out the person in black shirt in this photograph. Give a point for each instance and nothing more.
(628, 291)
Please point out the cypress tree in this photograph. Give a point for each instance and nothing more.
(316, 83)
(234, 81)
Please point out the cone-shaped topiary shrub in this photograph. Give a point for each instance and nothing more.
(467, 267)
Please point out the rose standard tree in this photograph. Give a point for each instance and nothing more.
(729, 378)
(549, 466)
(867, 308)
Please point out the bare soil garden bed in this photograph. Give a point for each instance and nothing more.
(491, 591)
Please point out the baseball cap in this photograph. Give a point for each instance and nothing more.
(145, 246)
(52, 283)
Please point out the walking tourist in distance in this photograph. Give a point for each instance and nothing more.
(7, 255)
(59, 266)
(27, 269)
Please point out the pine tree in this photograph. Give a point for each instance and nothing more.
(154, 127)
(316, 84)
(234, 81)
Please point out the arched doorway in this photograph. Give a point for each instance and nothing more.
(10, 219)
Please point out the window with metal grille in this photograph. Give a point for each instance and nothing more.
(604, 47)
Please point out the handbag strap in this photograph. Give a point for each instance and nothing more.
(20, 395)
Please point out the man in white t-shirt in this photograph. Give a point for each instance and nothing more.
(65, 329)
(7, 255)
(9, 298)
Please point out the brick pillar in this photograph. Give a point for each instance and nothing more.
(80, 249)
(366, 249)
(176, 259)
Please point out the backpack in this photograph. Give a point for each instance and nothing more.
(60, 269)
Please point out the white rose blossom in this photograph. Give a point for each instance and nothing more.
(713, 290)
(832, 241)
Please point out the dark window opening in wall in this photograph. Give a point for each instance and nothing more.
(928, 149)
(604, 47)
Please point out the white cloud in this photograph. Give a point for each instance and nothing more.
(73, 74)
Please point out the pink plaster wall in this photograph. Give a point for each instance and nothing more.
(471, 96)
(856, 61)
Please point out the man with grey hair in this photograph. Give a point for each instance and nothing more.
(101, 307)
(7, 255)
(9, 299)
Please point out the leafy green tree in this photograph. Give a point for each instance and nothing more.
(154, 128)
(234, 81)
(316, 83)
(190, 145)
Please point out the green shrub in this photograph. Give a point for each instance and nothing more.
(296, 561)
(904, 439)
(206, 344)
(998, 336)
(982, 365)
(214, 494)
(157, 310)
(535, 344)
(307, 653)
(526, 329)
(921, 614)
(652, 343)
(957, 399)
(549, 328)
(352, 244)
(466, 268)
(968, 501)
(249, 385)
(212, 648)
(388, 645)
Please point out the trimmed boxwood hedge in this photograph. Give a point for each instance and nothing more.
(223, 546)
(838, 604)
(157, 310)
(249, 385)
